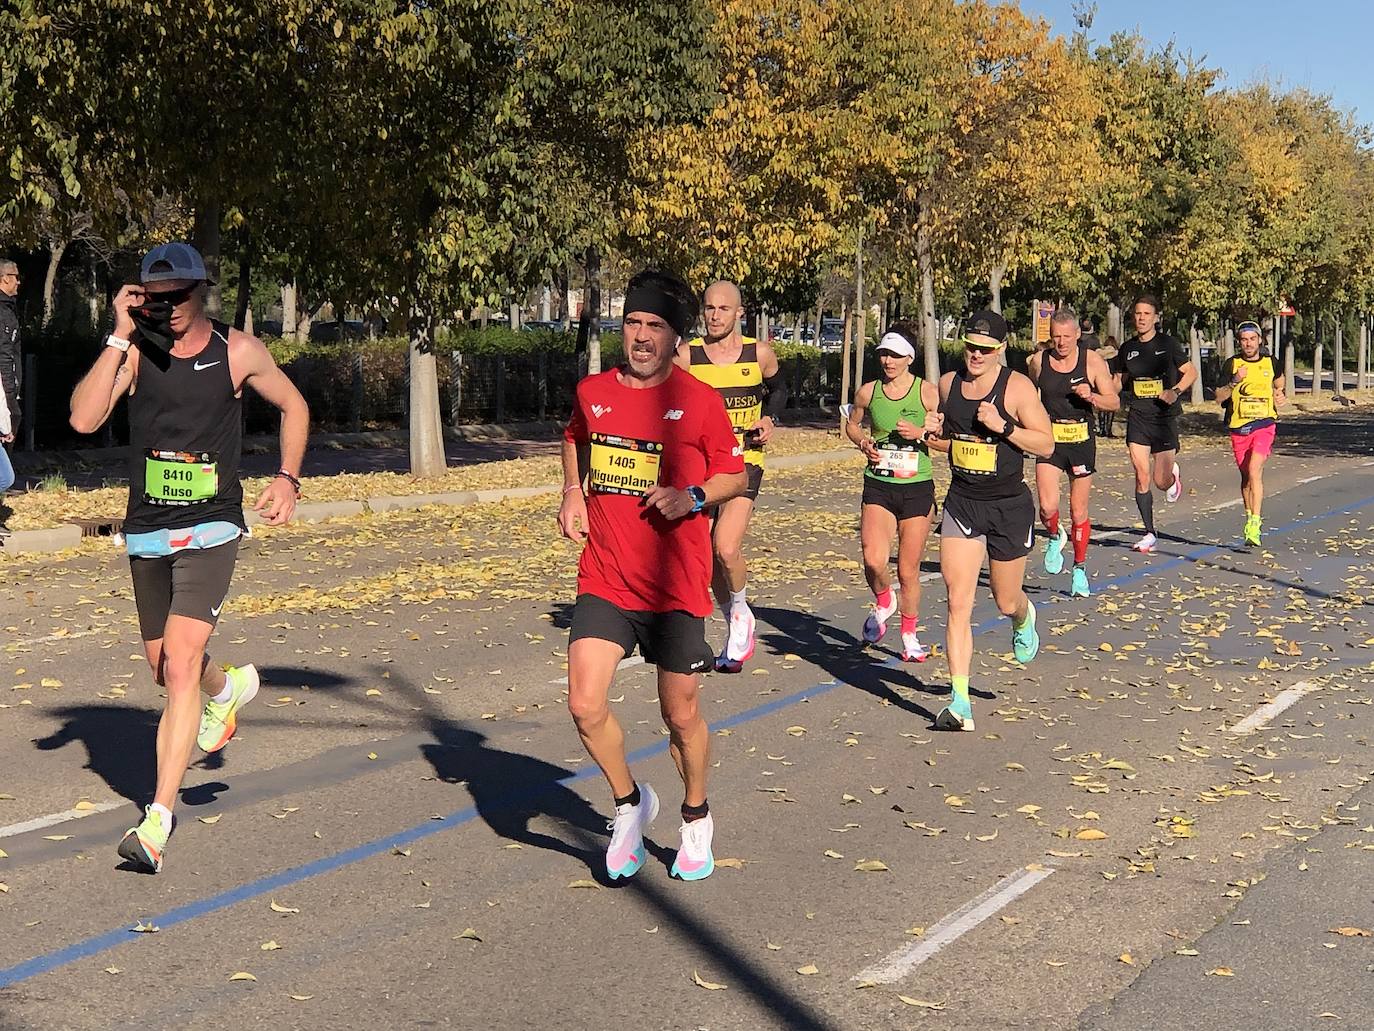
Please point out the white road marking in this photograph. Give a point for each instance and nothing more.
(1314, 479)
(53, 819)
(633, 660)
(1269, 710)
(964, 919)
(62, 637)
(1237, 501)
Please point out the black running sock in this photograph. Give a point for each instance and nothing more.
(695, 812)
(1146, 503)
(631, 799)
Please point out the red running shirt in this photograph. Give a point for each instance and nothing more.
(677, 434)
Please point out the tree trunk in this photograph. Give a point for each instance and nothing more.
(1362, 357)
(846, 340)
(796, 328)
(56, 248)
(1338, 358)
(304, 318)
(589, 325)
(820, 322)
(1195, 356)
(861, 330)
(995, 275)
(426, 431)
(289, 312)
(93, 286)
(245, 287)
(1228, 341)
(1317, 360)
(925, 264)
(1289, 362)
(514, 314)
(205, 237)
(546, 305)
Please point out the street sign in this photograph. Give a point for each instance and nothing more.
(1040, 322)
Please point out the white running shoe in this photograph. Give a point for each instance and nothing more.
(739, 644)
(912, 648)
(626, 852)
(1146, 544)
(694, 859)
(876, 623)
(1176, 490)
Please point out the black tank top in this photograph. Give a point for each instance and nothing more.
(1056, 391)
(982, 464)
(185, 439)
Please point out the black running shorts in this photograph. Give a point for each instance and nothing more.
(1157, 434)
(673, 641)
(752, 485)
(903, 500)
(191, 583)
(1006, 524)
(1078, 460)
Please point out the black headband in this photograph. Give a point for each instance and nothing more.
(650, 299)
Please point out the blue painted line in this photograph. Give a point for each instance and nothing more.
(88, 947)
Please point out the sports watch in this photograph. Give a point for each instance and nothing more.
(698, 497)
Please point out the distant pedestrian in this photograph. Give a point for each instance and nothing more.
(1088, 336)
(11, 373)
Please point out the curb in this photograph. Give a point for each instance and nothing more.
(55, 538)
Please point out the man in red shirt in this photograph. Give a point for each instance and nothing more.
(648, 448)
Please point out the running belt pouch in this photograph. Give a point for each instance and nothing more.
(154, 322)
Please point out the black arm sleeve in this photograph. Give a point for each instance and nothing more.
(776, 401)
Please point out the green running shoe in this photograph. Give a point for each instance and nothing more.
(1054, 553)
(1025, 642)
(219, 720)
(143, 845)
(1079, 587)
(1252, 530)
(957, 715)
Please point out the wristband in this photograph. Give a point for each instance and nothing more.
(291, 480)
(118, 343)
(570, 488)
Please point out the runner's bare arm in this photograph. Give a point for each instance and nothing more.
(854, 425)
(572, 512)
(776, 385)
(935, 417)
(1033, 367)
(1280, 395)
(251, 364)
(682, 356)
(113, 372)
(1103, 393)
(1031, 423)
(1187, 373)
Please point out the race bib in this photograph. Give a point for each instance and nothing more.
(1072, 432)
(1148, 387)
(743, 419)
(623, 465)
(900, 463)
(1251, 408)
(179, 477)
(972, 455)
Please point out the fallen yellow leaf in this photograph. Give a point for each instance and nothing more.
(808, 970)
(242, 975)
(922, 1003)
(871, 866)
(710, 986)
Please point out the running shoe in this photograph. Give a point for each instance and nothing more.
(1054, 552)
(876, 623)
(143, 845)
(1175, 491)
(957, 715)
(1146, 544)
(1079, 587)
(219, 720)
(694, 859)
(739, 645)
(1252, 531)
(626, 853)
(912, 648)
(1025, 642)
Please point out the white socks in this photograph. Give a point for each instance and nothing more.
(166, 813)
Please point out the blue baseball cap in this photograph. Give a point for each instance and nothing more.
(173, 261)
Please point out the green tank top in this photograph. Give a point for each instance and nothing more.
(904, 461)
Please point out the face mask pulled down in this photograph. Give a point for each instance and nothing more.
(154, 322)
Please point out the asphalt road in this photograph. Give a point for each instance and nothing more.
(405, 832)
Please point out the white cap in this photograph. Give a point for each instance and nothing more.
(897, 344)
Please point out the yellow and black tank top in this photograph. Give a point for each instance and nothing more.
(740, 385)
(1252, 399)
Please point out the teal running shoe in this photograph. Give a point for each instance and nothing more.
(1054, 553)
(957, 715)
(1079, 587)
(1025, 642)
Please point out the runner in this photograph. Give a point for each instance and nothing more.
(1153, 371)
(1251, 398)
(655, 448)
(899, 494)
(746, 373)
(1074, 382)
(989, 419)
(184, 375)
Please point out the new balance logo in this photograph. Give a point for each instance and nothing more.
(673, 413)
(600, 410)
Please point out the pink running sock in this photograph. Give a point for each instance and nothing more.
(884, 600)
(908, 624)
